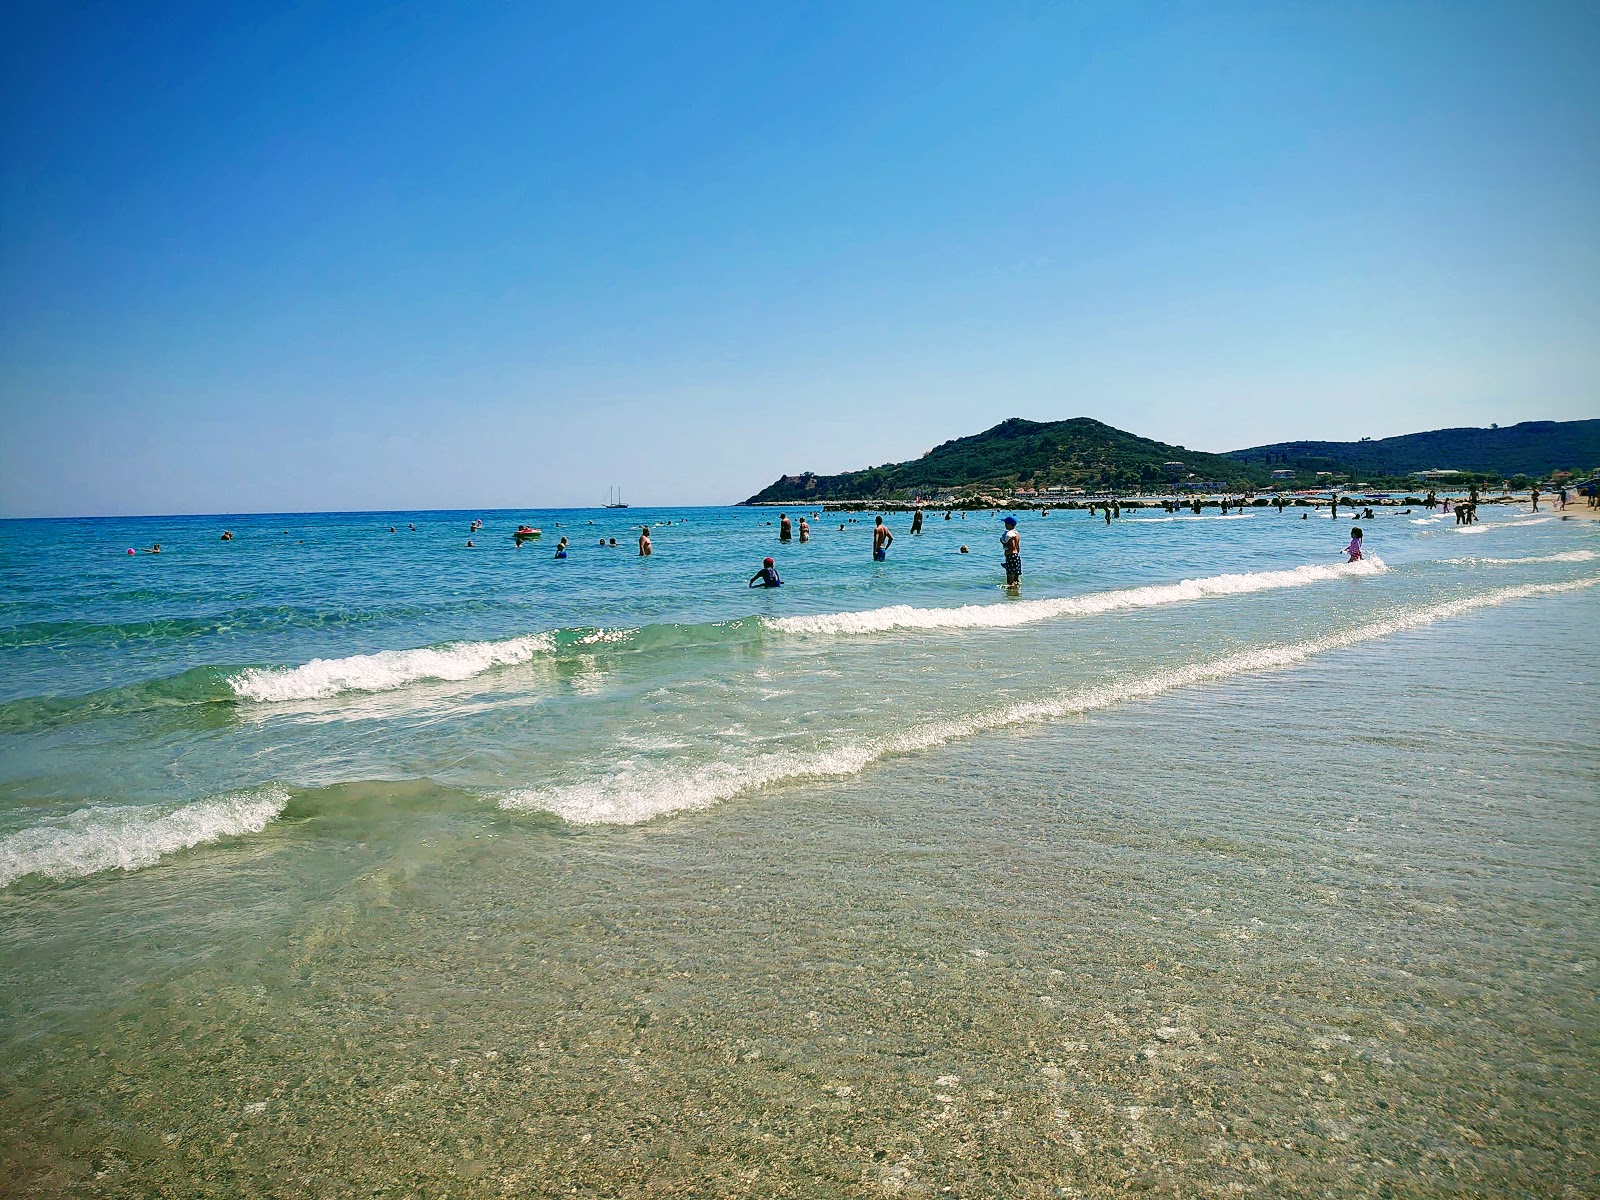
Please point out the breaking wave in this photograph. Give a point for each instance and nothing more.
(385, 670)
(640, 794)
(1024, 612)
(98, 839)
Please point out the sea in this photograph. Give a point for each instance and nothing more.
(342, 858)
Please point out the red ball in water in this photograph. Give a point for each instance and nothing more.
(130, 551)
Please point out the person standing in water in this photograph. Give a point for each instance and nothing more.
(916, 522)
(882, 539)
(768, 575)
(784, 532)
(645, 549)
(805, 531)
(1011, 550)
(1354, 548)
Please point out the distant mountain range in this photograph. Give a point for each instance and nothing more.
(1089, 454)
(1533, 448)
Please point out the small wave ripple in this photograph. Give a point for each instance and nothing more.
(1566, 556)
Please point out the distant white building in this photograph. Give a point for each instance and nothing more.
(1283, 474)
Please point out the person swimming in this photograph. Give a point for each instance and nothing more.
(882, 539)
(767, 576)
(1354, 548)
(561, 548)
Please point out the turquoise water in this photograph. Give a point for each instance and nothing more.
(488, 873)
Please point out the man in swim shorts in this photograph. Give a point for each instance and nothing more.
(881, 541)
(1011, 547)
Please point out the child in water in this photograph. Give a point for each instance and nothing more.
(1354, 548)
(561, 548)
(768, 575)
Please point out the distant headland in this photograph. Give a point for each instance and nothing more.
(1059, 460)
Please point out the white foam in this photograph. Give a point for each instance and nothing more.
(1194, 517)
(104, 839)
(1567, 556)
(1024, 612)
(385, 670)
(1529, 521)
(641, 793)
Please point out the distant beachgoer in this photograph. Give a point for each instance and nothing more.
(805, 531)
(1366, 514)
(1108, 514)
(1354, 548)
(882, 539)
(1011, 550)
(947, 514)
(155, 548)
(227, 535)
(916, 522)
(602, 541)
(964, 550)
(645, 549)
(784, 531)
(561, 548)
(1535, 497)
(612, 542)
(768, 575)
(1305, 516)
(413, 528)
(1334, 516)
(469, 544)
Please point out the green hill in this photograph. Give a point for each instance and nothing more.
(1533, 448)
(1017, 453)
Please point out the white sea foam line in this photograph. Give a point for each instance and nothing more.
(649, 792)
(1025, 612)
(1193, 517)
(1567, 556)
(386, 670)
(103, 839)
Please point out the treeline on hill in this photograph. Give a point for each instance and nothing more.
(1532, 449)
(1078, 453)
(1089, 454)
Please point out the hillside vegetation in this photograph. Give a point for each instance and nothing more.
(1089, 454)
(1016, 453)
(1533, 448)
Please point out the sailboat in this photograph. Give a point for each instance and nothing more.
(614, 499)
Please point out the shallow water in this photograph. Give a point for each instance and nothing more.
(1262, 885)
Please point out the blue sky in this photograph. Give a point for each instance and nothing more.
(347, 255)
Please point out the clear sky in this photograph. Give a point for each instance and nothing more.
(353, 255)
